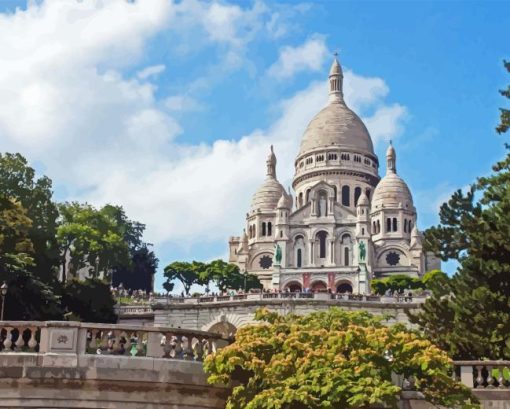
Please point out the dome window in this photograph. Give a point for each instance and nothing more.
(357, 194)
(346, 193)
(269, 229)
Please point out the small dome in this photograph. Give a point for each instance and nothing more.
(363, 200)
(285, 201)
(267, 196)
(392, 192)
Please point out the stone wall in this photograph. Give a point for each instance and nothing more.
(95, 381)
(203, 316)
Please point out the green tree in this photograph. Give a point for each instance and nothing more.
(28, 297)
(227, 276)
(90, 238)
(331, 359)
(89, 300)
(18, 181)
(469, 314)
(397, 284)
(187, 273)
(139, 273)
(504, 123)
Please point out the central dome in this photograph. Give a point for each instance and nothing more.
(336, 125)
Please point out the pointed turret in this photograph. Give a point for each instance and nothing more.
(415, 237)
(336, 78)
(391, 160)
(271, 164)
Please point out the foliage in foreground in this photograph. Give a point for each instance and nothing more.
(469, 314)
(331, 359)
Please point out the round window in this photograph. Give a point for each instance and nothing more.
(392, 258)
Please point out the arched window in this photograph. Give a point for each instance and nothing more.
(263, 228)
(374, 227)
(346, 256)
(346, 193)
(322, 243)
(307, 195)
(249, 232)
(405, 225)
(367, 192)
(378, 226)
(269, 229)
(299, 257)
(410, 225)
(254, 231)
(301, 199)
(388, 224)
(334, 190)
(357, 194)
(394, 224)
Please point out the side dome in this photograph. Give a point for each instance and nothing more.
(268, 194)
(392, 192)
(336, 125)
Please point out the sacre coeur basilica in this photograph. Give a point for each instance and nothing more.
(344, 225)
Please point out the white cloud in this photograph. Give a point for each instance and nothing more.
(182, 103)
(151, 71)
(310, 56)
(107, 137)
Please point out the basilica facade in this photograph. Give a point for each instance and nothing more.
(344, 225)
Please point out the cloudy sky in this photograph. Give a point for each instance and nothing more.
(168, 108)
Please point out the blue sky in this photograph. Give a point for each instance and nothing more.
(169, 108)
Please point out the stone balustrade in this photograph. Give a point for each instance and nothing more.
(107, 339)
(484, 374)
(279, 295)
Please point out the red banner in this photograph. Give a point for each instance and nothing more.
(331, 281)
(306, 280)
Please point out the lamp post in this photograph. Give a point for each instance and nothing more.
(3, 292)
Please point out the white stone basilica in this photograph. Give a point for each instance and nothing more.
(345, 224)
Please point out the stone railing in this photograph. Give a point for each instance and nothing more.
(133, 309)
(107, 339)
(484, 375)
(283, 296)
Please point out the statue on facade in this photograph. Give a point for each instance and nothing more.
(362, 251)
(278, 254)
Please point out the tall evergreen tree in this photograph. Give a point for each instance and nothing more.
(469, 314)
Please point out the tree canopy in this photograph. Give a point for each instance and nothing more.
(330, 359)
(469, 314)
(224, 275)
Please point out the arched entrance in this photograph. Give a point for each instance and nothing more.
(294, 287)
(319, 287)
(344, 287)
(225, 329)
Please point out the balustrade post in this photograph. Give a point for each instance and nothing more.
(466, 376)
(154, 347)
(60, 337)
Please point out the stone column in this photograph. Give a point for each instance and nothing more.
(310, 252)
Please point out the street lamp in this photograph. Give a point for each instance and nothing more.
(3, 292)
